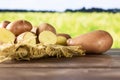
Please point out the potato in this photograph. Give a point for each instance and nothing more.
(6, 36)
(26, 38)
(34, 29)
(19, 26)
(45, 27)
(96, 42)
(47, 37)
(61, 40)
(65, 35)
(4, 24)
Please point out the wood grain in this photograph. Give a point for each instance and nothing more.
(90, 67)
(59, 74)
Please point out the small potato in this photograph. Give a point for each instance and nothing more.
(45, 27)
(95, 42)
(19, 26)
(61, 40)
(4, 24)
(67, 36)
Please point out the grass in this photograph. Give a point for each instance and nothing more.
(72, 23)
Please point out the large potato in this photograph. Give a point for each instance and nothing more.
(19, 26)
(45, 27)
(97, 41)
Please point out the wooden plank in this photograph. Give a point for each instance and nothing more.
(110, 59)
(113, 51)
(59, 74)
(90, 67)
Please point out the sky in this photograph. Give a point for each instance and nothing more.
(58, 5)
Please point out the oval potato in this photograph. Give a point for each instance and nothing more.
(61, 40)
(45, 27)
(19, 26)
(96, 42)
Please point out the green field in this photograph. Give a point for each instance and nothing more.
(72, 23)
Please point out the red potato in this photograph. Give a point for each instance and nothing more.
(96, 42)
(45, 27)
(19, 26)
(4, 24)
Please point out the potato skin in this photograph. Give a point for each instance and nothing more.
(45, 27)
(95, 42)
(67, 36)
(19, 26)
(4, 24)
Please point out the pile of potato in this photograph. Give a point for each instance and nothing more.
(22, 31)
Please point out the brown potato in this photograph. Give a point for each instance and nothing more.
(65, 35)
(4, 24)
(97, 41)
(19, 26)
(45, 27)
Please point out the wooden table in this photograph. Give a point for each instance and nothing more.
(90, 67)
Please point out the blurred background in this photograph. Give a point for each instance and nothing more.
(74, 17)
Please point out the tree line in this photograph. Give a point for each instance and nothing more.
(67, 10)
(93, 10)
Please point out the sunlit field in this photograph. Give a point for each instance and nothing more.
(72, 23)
